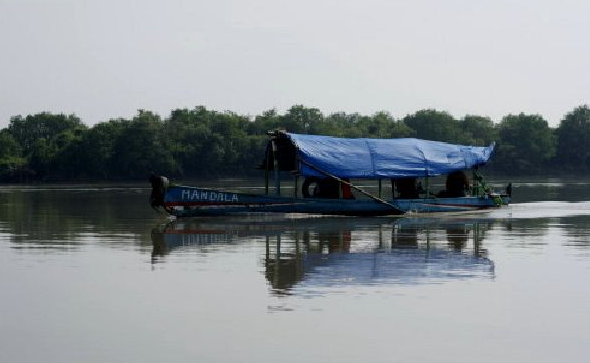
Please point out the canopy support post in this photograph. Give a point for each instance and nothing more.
(427, 182)
(276, 168)
(266, 176)
(380, 189)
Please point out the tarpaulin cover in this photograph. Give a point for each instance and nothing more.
(384, 158)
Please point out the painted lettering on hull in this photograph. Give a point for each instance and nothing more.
(208, 196)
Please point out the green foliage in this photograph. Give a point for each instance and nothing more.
(43, 140)
(208, 143)
(11, 163)
(527, 143)
(302, 120)
(203, 143)
(97, 153)
(573, 135)
(436, 125)
(480, 130)
(141, 147)
(269, 120)
(26, 131)
(9, 147)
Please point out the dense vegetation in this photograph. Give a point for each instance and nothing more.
(204, 143)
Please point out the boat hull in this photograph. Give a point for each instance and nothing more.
(184, 201)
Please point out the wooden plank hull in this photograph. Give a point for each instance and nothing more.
(184, 201)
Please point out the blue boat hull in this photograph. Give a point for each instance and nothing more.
(184, 201)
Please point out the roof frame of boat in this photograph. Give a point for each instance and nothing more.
(285, 153)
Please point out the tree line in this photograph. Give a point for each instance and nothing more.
(202, 143)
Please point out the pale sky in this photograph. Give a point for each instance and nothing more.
(103, 59)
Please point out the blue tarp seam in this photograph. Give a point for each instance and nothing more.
(372, 157)
(426, 171)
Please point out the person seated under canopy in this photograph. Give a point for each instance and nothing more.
(328, 188)
(407, 188)
(457, 185)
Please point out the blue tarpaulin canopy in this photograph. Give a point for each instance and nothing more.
(384, 158)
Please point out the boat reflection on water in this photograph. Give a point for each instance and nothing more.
(179, 236)
(326, 252)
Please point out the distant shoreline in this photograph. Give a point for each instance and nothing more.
(286, 181)
(58, 148)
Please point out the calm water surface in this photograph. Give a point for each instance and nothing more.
(92, 274)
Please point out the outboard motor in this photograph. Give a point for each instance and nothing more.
(159, 188)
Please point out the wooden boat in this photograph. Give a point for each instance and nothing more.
(328, 164)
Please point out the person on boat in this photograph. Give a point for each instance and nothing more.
(328, 188)
(419, 188)
(406, 188)
(457, 185)
(314, 187)
(346, 190)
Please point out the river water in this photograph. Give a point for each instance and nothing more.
(92, 274)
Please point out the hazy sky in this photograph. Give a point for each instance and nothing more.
(104, 59)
